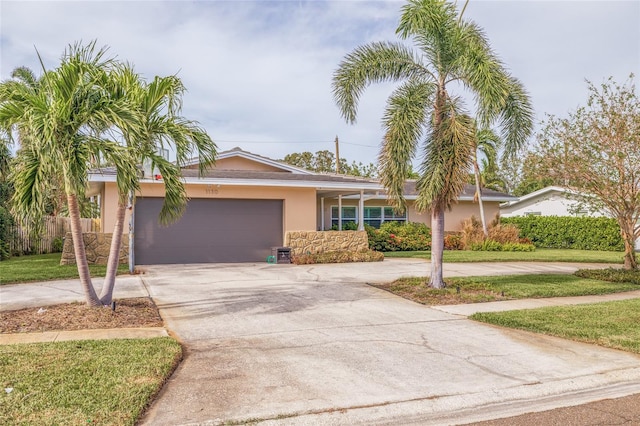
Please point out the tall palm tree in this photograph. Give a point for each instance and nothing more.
(159, 103)
(422, 114)
(65, 119)
(486, 142)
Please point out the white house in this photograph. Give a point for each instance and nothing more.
(549, 201)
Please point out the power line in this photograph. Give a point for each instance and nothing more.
(294, 142)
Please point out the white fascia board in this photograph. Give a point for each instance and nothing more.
(415, 197)
(99, 177)
(282, 183)
(538, 193)
(254, 182)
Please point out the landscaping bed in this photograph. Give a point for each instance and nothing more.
(135, 312)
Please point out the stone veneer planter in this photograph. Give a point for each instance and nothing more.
(97, 246)
(313, 242)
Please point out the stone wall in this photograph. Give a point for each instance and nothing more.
(304, 242)
(97, 246)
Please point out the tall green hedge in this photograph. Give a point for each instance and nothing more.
(6, 221)
(585, 233)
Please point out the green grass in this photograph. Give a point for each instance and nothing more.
(539, 255)
(107, 382)
(44, 267)
(609, 324)
(504, 287)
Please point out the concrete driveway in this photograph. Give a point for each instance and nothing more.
(284, 344)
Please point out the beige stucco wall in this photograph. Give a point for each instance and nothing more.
(453, 219)
(299, 204)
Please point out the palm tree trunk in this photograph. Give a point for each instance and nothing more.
(437, 247)
(106, 295)
(476, 170)
(79, 251)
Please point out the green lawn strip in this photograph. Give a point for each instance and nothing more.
(107, 382)
(502, 287)
(44, 267)
(539, 255)
(609, 324)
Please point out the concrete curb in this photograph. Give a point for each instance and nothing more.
(99, 334)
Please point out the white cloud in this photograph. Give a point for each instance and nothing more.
(258, 73)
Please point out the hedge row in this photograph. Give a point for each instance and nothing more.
(584, 233)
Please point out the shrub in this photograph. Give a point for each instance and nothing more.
(615, 275)
(453, 242)
(57, 245)
(338, 257)
(473, 236)
(6, 222)
(346, 226)
(492, 245)
(396, 236)
(584, 233)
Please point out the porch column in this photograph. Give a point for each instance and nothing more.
(361, 211)
(340, 212)
(322, 213)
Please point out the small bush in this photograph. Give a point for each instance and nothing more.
(453, 242)
(57, 244)
(614, 275)
(338, 257)
(502, 237)
(398, 236)
(346, 226)
(492, 245)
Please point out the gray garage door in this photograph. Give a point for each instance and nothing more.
(211, 231)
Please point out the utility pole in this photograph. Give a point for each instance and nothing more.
(337, 156)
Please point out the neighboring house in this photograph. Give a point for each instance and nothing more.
(246, 205)
(549, 201)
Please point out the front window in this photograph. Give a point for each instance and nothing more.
(373, 215)
(390, 215)
(349, 214)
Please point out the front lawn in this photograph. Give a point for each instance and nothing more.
(609, 324)
(539, 255)
(44, 267)
(106, 382)
(503, 287)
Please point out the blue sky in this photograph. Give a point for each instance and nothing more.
(258, 73)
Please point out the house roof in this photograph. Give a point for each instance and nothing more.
(539, 193)
(237, 152)
(326, 184)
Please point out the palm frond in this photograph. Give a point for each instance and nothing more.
(447, 159)
(516, 118)
(372, 63)
(404, 124)
(175, 198)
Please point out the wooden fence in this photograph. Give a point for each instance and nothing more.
(54, 227)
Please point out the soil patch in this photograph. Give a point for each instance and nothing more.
(129, 313)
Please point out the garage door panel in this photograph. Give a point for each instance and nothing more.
(210, 231)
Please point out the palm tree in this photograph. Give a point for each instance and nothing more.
(422, 114)
(487, 142)
(65, 120)
(159, 103)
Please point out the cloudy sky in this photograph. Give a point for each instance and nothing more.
(258, 73)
